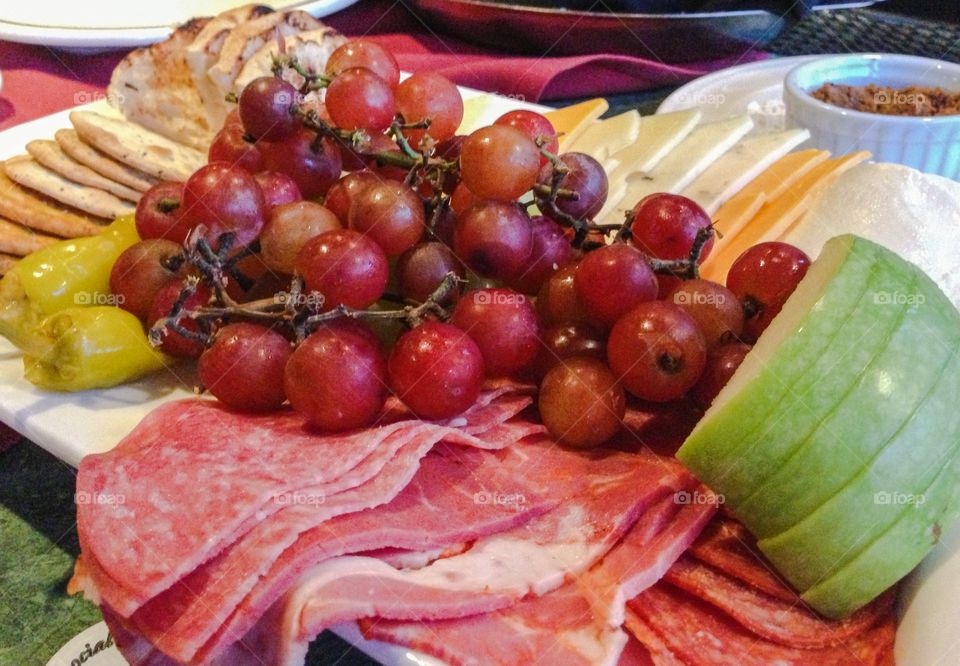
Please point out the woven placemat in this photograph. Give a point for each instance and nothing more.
(859, 30)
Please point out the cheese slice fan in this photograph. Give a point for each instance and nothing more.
(740, 165)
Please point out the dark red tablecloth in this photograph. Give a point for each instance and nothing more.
(39, 81)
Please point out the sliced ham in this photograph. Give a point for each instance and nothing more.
(242, 462)
(251, 575)
(577, 624)
(558, 628)
(496, 572)
(700, 635)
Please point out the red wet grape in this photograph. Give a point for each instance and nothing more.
(581, 403)
(763, 278)
(421, 269)
(426, 95)
(160, 213)
(586, 177)
(557, 300)
(288, 229)
(534, 125)
(313, 165)
(559, 343)
(244, 367)
(340, 196)
(367, 54)
(665, 226)
(358, 99)
(657, 351)
(499, 162)
(265, 107)
(550, 249)
(277, 188)
(337, 378)
(494, 239)
(389, 213)
(139, 273)
(345, 266)
(436, 370)
(230, 145)
(172, 342)
(613, 279)
(715, 308)
(226, 199)
(722, 363)
(504, 325)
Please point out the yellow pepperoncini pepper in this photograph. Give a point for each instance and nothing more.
(82, 348)
(65, 274)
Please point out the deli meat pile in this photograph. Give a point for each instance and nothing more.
(212, 537)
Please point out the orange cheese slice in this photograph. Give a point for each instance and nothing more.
(778, 215)
(571, 121)
(772, 183)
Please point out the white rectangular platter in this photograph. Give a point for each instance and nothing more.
(71, 426)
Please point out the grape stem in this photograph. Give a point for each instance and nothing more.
(685, 269)
(301, 310)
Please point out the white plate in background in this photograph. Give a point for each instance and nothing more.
(755, 88)
(101, 25)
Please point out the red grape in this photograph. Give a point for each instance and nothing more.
(494, 239)
(665, 226)
(288, 229)
(549, 251)
(358, 99)
(340, 196)
(657, 351)
(160, 213)
(613, 279)
(277, 188)
(499, 162)
(230, 145)
(504, 325)
(367, 54)
(139, 273)
(559, 343)
(462, 200)
(763, 278)
(337, 378)
(345, 266)
(581, 403)
(266, 108)
(586, 177)
(714, 307)
(173, 343)
(426, 95)
(557, 300)
(421, 269)
(436, 370)
(244, 367)
(389, 213)
(722, 363)
(449, 150)
(534, 125)
(226, 199)
(314, 170)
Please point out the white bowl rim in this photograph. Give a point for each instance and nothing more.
(804, 96)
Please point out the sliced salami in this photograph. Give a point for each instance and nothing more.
(788, 623)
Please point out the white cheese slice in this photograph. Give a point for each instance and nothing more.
(686, 162)
(657, 136)
(740, 165)
(605, 137)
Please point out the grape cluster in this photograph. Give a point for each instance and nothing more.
(344, 244)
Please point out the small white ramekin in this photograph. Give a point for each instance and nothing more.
(930, 144)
